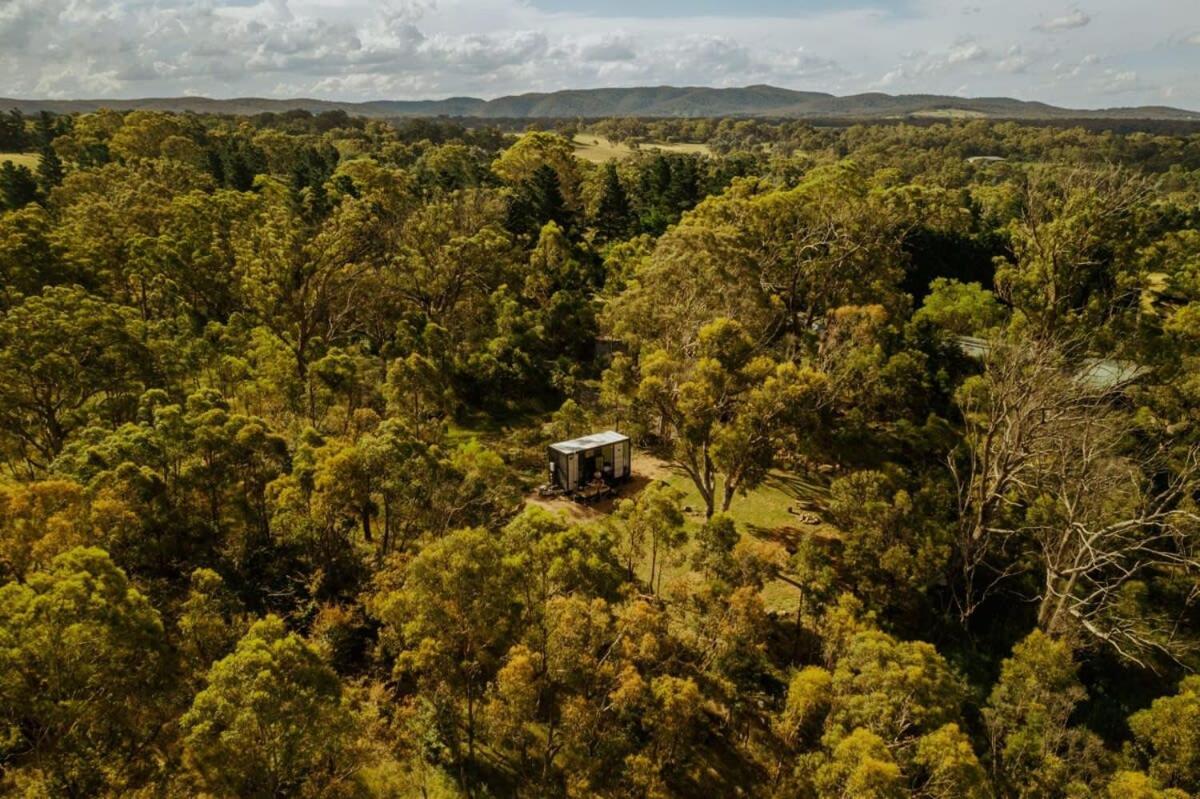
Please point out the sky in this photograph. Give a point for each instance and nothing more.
(1086, 54)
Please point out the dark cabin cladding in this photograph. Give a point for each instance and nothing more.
(577, 462)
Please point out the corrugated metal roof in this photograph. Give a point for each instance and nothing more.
(1109, 373)
(589, 442)
(1101, 373)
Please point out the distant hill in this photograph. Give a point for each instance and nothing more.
(648, 101)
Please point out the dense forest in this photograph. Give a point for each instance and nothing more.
(275, 396)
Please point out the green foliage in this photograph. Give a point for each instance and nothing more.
(18, 187)
(726, 408)
(534, 151)
(861, 765)
(964, 309)
(614, 215)
(892, 550)
(949, 765)
(66, 357)
(652, 523)
(271, 721)
(195, 475)
(1166, 735)
(1028, 715)
(896, 689)
(1136, 785)
(296, 373)
(449, 620)
(808, 700)
(83, 660)
(210, 620)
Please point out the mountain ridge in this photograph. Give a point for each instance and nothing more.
(759, 100)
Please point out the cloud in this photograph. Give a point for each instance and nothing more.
(1016, 60)
(616, 47)
(799, 63)
(405, 49)
(480, 52)
(919, 65)
(964, 53)
(1119, 82)
(1071, 20)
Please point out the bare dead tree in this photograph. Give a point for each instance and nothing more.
(1013, 416)
(1099, 523)
(1046, 479)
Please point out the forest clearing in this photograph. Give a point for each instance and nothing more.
(27, 160)
(600, 149)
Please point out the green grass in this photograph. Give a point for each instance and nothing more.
(764, 513)
(599, 150)
(488, 427)
(21, 159)
(480, 429)
(765, 508)
(949, 113)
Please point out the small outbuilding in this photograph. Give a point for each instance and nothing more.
(603, 457)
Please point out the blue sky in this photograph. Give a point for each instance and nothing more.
(1089, 53)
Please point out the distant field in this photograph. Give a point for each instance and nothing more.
(21, 159)
(949, 113)
(599, 150)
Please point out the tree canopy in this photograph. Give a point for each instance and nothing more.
(915, 459)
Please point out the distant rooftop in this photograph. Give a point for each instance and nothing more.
(1101, 373)
(589, 442)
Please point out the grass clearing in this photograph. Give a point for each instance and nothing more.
(774, 512)
(599, 150)
(21, 159)
(949, 113)
(781, 511)
(769, 513)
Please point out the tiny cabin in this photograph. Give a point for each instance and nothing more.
(580, 461)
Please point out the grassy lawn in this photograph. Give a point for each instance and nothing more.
(778, 512)
(598, 150)
(781, 511)
(772, 512)
(762, 511)
(21, 159)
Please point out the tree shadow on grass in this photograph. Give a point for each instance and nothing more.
(804, 490)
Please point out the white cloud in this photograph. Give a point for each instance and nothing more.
(799, 64)
(1015, 60)
(1118, 81)
(919, 65)
(1061, 70)
(1069, 21)
(405, 49)
(615, 47)
(964, 53)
